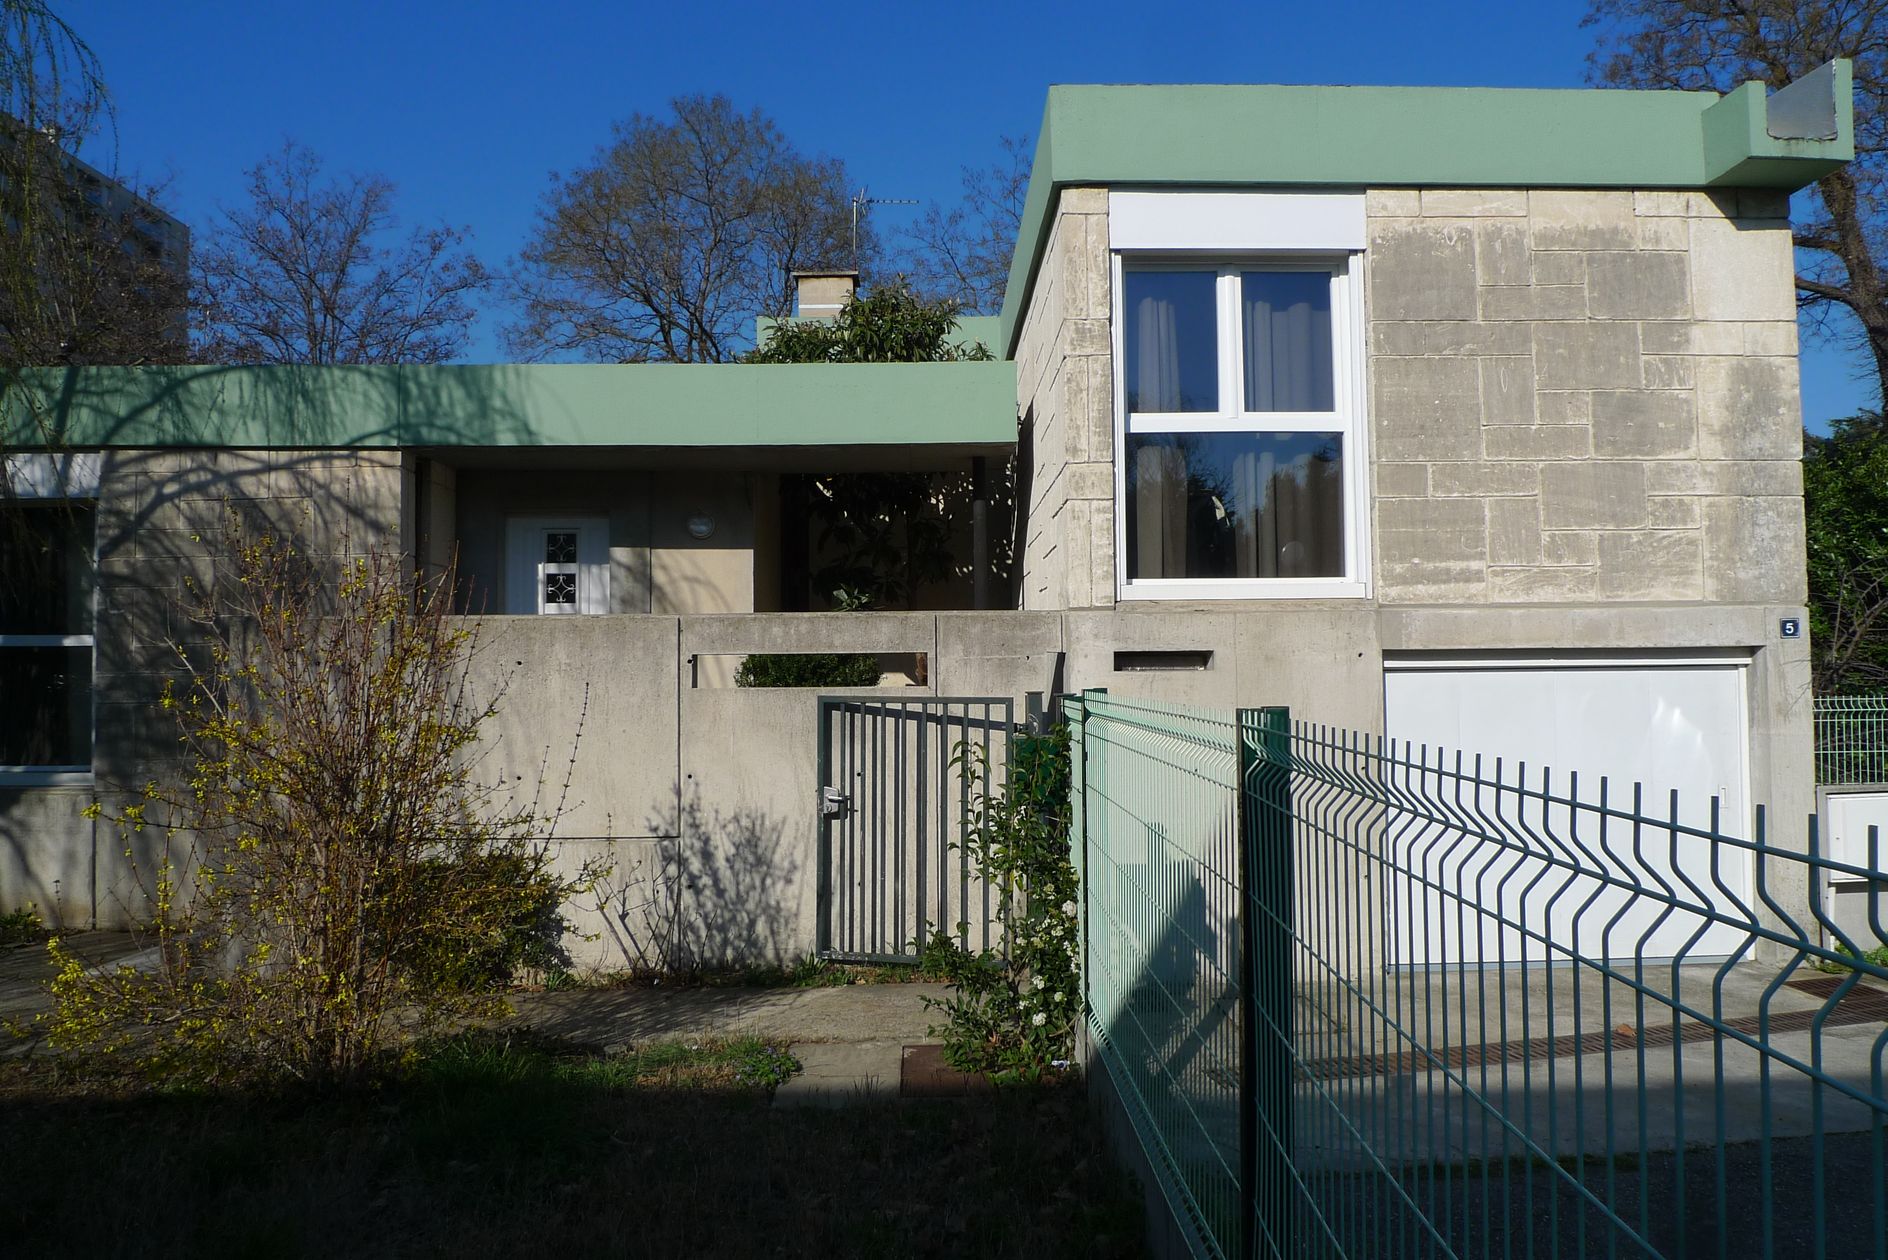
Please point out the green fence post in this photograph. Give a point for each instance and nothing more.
(1266, 924)
(1075, 713)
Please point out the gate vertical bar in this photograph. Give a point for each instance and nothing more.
(823, 855)
(1266, 926)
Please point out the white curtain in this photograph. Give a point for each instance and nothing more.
(1256, 524)
(1156, 356)
(1160, 512)
(1290, 516)
(1287, 350)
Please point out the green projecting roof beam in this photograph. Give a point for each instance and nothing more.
(1227, 135)
(515, 405)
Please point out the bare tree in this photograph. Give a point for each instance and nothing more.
(962, 255)
(1715, 45)
(315, 270)
(50, 84)
(677, 234)
(99, 275)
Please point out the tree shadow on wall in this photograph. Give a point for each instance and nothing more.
(719, 889)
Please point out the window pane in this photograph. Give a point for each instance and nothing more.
(1287, 318)
(1171, 344)
(1235, 505)
(46, 706)
(46, 567)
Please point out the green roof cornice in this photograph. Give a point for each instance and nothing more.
(515, 405)
(1246, 135)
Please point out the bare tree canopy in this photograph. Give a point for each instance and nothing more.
(49, 77)
(98, 277)
(679, 232)
(51, 92)
(315, 270)
(1717, 44)
(962, 255)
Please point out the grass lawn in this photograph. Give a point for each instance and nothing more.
(531, 1149)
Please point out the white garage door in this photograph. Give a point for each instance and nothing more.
(1669, 725)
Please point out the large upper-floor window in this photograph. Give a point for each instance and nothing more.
(1240, 439)
(46, 623)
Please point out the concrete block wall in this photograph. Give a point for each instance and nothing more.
(1575, 396)
(1584, 396)
(1065, 385)
(160, 526)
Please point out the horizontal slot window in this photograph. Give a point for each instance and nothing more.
(1167, 658)
(829, 671)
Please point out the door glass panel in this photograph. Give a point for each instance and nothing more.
(1171, 347)
(1235, 505)
(1287, 330)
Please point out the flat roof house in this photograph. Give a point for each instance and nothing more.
(1464, 416)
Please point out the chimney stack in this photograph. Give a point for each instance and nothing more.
(821, 294)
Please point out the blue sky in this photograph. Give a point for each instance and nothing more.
(467, 106)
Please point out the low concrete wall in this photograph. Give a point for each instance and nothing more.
(701, 798)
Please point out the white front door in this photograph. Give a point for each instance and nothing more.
(1667, 724)
(557, 564)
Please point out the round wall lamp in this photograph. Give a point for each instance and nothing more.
(701, 526)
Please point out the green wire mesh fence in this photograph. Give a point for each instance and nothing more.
(1368, 1000)
(1851, 739)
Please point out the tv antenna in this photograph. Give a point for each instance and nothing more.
(860, 200)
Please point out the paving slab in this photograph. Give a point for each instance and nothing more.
(857, 1013)
(841, 1074)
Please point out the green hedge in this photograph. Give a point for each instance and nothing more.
(818, 669)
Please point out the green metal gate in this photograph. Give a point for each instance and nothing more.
(894, 811)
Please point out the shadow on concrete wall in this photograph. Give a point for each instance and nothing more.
(720, 893)
(309, 450)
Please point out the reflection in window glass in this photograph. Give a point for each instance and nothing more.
(46, 568)
(1235, 505)
(1171, 346)
(47, 717)
(1286, 317)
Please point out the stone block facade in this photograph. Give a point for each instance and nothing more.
(1581, 396)
(1065, 385)
(160, 528)
(1574, 396)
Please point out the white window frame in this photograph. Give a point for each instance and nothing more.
(1347, 416)
(31, 481)
(526, 567)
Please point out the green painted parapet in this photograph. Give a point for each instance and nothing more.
(517, 405)
(1278, 135)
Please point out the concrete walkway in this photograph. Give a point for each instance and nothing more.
(854, 1013)
(850, 1040)
(25, 969)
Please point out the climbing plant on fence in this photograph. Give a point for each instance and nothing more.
(1016, 1007)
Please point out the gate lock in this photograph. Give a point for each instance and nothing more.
(833, 803)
